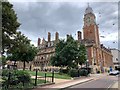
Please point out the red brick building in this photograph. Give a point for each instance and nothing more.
(100, 57)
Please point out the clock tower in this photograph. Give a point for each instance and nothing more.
(90, 28)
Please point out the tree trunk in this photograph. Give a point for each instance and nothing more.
(23, 65)
(30, 67)
(14, 67)
(81, 65)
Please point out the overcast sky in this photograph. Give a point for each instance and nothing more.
(39, 18)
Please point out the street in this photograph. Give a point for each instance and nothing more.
(103, 83)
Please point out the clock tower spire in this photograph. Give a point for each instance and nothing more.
(90, 28)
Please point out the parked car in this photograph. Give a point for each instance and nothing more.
(115, 72)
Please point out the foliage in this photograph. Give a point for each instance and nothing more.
(73, 73)
(15, 44)
(69, 54)
(23, 76)
(15, 78)
(9, 25)
(81, 55)
(57, 59)
(63, 71)
(4, 60)
(83, 72)
(22, 50)
(5, 74)
(77, 72)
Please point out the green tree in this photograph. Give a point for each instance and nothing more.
(9, 25)
(15, 44)
(57, 59)
(28, 55)
(4, 60)
(68, 53)
(81, 55)
(22, 50)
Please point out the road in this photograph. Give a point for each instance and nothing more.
(103, 83)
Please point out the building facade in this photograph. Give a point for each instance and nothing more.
(46, 50)
(116, 60)
(100, 57)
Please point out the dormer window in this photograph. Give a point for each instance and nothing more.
(51, 43)
(48, 44)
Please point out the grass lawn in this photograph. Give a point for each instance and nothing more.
(56, 75)
(39, 81)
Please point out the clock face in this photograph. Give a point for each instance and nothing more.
(87, 20)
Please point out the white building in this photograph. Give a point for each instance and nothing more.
(116, 57)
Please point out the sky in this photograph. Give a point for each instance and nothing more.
(37, 18)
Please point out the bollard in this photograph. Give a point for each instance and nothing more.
(45, 77)
(36, 77)
(78, 73)
(52, 76)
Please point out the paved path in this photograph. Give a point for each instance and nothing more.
(115, 85)
(66, 84)
(101, 83)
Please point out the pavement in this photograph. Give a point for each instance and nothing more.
(62, 84)
(115, 85)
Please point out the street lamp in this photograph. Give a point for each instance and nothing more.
(87, 64)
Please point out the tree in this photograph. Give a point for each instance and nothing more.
(15, 44)
(57, 59)
(81, 55)
(4, 60)
(68, 53)
(9, 25)
(22, 50)
(29, 55)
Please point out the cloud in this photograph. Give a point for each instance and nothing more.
(37, 18)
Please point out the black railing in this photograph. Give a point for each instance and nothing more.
(47, 78)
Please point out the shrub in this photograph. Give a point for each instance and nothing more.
(83, 72)
(5, 74)
(73, 73)
(98, 71)
(9, 78)
(23, 76)
(15, 78)
(64, 71)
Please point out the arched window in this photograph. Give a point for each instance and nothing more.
(116, 59)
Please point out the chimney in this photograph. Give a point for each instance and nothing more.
(68, 36)
(79, 36)
(39, 40)
(49, 36)
(56, 36)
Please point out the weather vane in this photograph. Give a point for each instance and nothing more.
(88, 4)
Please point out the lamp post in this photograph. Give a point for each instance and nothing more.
(87, 65)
